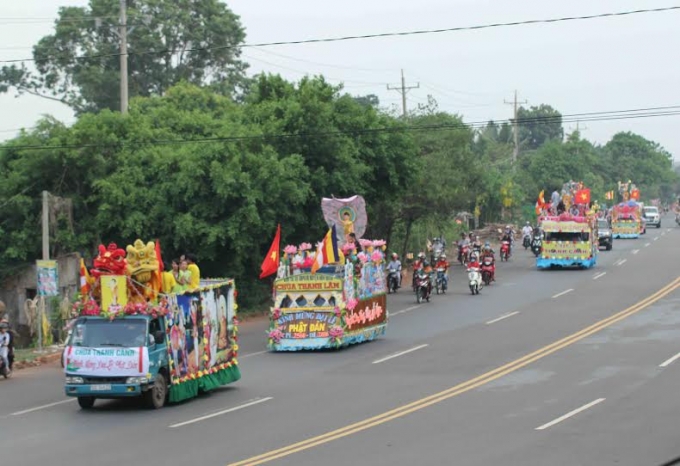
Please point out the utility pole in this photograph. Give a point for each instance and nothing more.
(45, 256)
(403, 89)
(45, 225)
(123, 58)
(515, 127)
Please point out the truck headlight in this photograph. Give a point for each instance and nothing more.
(136, 380)
(74, 380)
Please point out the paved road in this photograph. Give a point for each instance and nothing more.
(526, 373)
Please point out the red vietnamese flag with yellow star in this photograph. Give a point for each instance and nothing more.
(582, 196)
(270, 265)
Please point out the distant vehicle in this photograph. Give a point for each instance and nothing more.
(652, 216)
(604, 234)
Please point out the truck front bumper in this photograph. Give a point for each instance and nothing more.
(105, 390)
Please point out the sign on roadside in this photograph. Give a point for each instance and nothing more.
(48, 278)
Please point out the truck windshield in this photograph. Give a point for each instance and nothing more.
(602, 224)
(96, 333)
(570, 237)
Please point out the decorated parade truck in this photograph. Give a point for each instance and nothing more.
(570, 229)
(627, 220)
(627, 216)
(335, 296)
(570, 241)
(133, 338)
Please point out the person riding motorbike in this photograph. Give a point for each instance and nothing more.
(463, 243)
(442, 263)
(474, 261)
(526, 232)
(418, 265)
(5, 342)
(395, 264)
(487, 251)
(427, 270)
(476, 244)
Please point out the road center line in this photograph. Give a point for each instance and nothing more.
(461, 388)
(647, 244)
(219, 413)
(252, 354)
(37, 408)
(563, 293)
(502, 317)
(570, 414)
(600, 275)
(621, 262)
(656, 239)
(403, 311)
(635, 251)
(669, 361)
(416, 348)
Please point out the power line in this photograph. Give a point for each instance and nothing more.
(381, 35)
(588, 116)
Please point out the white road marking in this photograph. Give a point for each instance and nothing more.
(219, 413)
(563, 293)
(400, 354)
(635, 251)
(621, 262)
(599, 275)
(37, 408)
(669, 361)
(252, 354)
(570, 414)
(647, 244)
(502, 317)
(403, 311)
(668, 230)
(663, 234)
(656, 239)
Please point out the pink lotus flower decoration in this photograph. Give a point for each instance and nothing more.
(347, 248)
(365, 243)
(379, 243)
(338, 311)
(352, 303)
(276, 335)
(376, 256)
(305, 247)
(290, 250)
(276, 313)
(362, 257)
(336, 332)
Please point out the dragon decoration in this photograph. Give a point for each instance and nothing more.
(140, 262)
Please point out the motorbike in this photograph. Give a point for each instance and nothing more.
(677, 219)
(423, 287)
(463, 254)
(6, 372)
(475, 279)
(441, 284)
(526, 242)
(505, 251)
(537, 246)
(477, 248)
(488, 270)
(392, 280)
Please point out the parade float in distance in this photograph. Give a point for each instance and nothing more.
(137, 333)
(334, 296)
(627, 215)
(570, 232)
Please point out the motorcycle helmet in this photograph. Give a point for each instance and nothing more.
(421, 255)
(443, 256)
(395, 255)
(4, 325)
(426, 263)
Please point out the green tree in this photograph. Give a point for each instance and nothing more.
(538, 125)
(161, 34)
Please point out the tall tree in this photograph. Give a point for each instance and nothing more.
(538, 125)
(168, 41)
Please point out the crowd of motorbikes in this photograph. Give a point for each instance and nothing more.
(478, 259)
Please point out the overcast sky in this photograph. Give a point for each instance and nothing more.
(577, 67)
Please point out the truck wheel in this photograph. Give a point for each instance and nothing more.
(155, 397)
(610, 246)
(86, 402)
